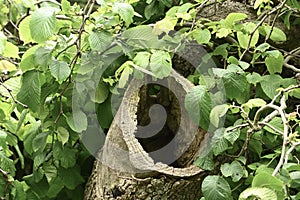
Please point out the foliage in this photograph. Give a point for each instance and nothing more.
(45, 46)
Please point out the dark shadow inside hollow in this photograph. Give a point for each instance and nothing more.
(158, 118)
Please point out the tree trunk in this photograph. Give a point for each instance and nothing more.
(161, 166)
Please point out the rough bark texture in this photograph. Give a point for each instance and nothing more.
(126, 168)
(156, 168)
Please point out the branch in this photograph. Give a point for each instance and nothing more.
(287, 59)
(264, 17)
(49, 1)
(10, 94)
(85, 16)
(262, 124)
(289, 151)
(8, 182)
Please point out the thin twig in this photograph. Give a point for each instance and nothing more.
(264, 17)
(287, 59)
(85, 16)
(10, 94)
(289, 151)
(8, 182)
(237, 127)
(262, 124)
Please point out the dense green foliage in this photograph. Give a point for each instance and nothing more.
(248, 99)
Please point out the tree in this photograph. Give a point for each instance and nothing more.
(67, 68)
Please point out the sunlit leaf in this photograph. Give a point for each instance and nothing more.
(234, 17)
(99, 41)
(60, 70)
(201, 36)
(198, 104)
(217, 112)
(24, 30)
(62, 135)
(160, 63)
(125, 11)
(30, 92)
(258, 192)
(216, 187)
(11, 50)
(42, 24)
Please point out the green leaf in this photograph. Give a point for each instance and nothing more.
(244, 65)
(142, 35)
(226, 170)
(160, 63)
(244, 38)
(7, 66)
(234, 17)
(66, 6)
(2, 186)
(60, 70)
(254, 78)
(257, 3)
(236, 84)
(99, 41)
(201, 36)
(252, 103)
(235, 170)
(153, 8)
(125, 11)
(264, 179)
(286, 19)
(221, 50)
(21, 119)
(216, 188)
(105, 115)
(125, 76)
(277, 35)
(13, 84)
(101, 94)
(31, 134)
(258, 193)
(55, 187)
(205, 162)
(27, 61)
(7, 164)
(262, 47)
(24, 30)
(62, 135)
(30, 92)
(77, 121)
(198, 104)
(43, 57)
(164, 26)
(216, 113)
(40, 142)
(142, 59)
(232, 136)
(277, 82)
(274, 63)
(11, 50)
(3, 41)
(42, 24)
(50, 172)
(65, 155)
(70, 177)
(3, 138)
(18, 190)
(218, 142)
(39, 159)
(223, 32)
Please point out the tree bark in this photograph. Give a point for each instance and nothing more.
(117, 175)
